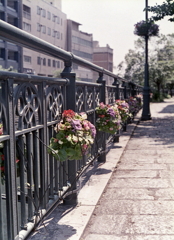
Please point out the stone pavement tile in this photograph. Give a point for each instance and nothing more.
(170, 167)
(144, 166)
(141, 183)
(107, 224)
(146, 152)
(148, 225)
(135, 160)
(166, 174)
(129, 194)
(165, 158)
(128, 207)
(164, 194)
(151, 237)
(136, 173)
(104, 237)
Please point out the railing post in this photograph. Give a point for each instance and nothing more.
(102, 157)
(125, 90)
(116, 83)
(10, 174)
(71, 104)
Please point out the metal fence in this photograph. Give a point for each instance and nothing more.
(32, 181)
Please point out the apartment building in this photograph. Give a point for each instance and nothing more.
(80, 44)
(11, 54)
(103, 57)
(45, 20)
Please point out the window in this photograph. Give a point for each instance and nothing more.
(58, 64)
(53, 18)
(44, 61)
(43, 13)
(39, 27)
(48, 15)
(39, 60)
(61, 36)
(58, 35)
(49, 31)
(54, 63)
(2, 53)
(12, 55)
(54, 33)
(26, 27)
(43, 29)
(38, 10)
(26, 12)
(49, 62)
(58, 20)
(27, 59)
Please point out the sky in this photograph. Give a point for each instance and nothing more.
(112, 21)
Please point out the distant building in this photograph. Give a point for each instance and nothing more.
(80, 44)
(103, 57)
(11, 54)
(45, 20)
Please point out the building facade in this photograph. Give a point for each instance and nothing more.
(45, 20)
(103, 57)
(11, 54)
(81, 45)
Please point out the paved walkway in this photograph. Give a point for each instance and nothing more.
(131, 196)
(138, 202)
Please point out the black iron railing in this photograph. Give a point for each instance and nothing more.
(30, 106)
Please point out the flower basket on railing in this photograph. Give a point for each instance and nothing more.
(146, 28)
(108, 119)
(74, 136)
(123, 108)
(134, 106)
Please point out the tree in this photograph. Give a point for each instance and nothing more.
(161, 62)
(163, 10)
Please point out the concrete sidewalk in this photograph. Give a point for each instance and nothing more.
(131, 196)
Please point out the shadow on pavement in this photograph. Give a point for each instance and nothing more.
(50, 229)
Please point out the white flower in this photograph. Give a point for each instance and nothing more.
(60, 142)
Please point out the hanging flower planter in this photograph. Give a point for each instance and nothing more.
(123, 108)
(148, 29)
(108, 119)
(74, 136)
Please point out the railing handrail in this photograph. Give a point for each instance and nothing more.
(25, 39)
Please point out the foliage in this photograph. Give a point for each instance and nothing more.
(146, 28)
(109, 119)
(163, 10)
(74, 137)
(161, 62)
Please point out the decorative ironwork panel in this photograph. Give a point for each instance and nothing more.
(97, 96)
(27, 106)
(55, 102)
(89, 98)
(80, 98)
(111, 94)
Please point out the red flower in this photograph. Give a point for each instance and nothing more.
(2, 168)
(102, 116)
(2, 157)
(68, 113)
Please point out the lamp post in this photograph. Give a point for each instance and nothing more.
(146, 90)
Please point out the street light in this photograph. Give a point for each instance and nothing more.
(146, 90)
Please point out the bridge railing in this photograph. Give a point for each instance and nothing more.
(32, 181)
